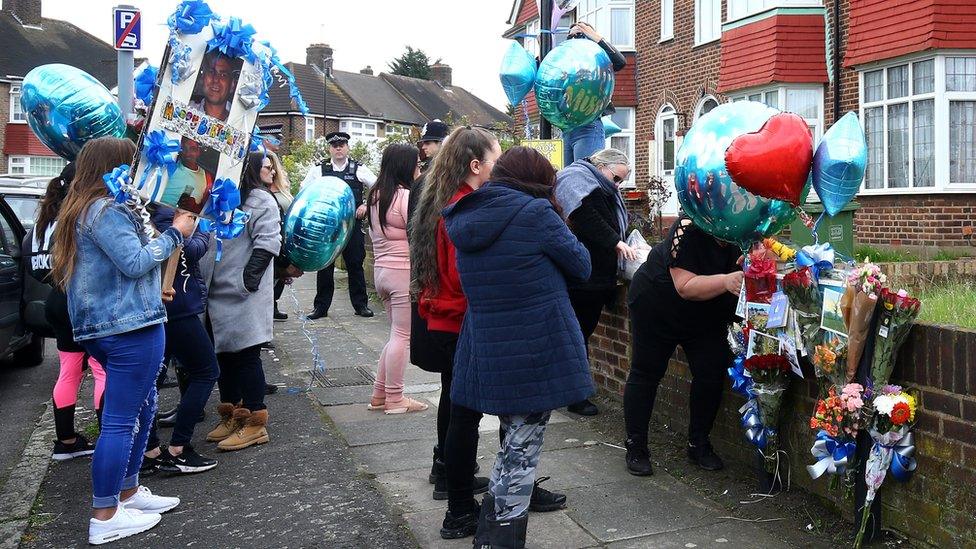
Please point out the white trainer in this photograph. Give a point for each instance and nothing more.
(147, 502)
(125, 523)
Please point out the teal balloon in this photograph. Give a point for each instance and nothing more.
(839, 163)
(517, 73)
(66, 107)
(705, 190)
(610, 127)
(318, 223)
(574, 84)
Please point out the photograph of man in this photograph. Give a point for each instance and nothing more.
(189, 186)
(214, 90)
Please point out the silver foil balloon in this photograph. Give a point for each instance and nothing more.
(66, 107)
(838, 165)
(318, 223)
(574, 84)
(706, 191)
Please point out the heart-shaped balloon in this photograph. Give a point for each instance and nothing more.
(517, 73)
(838, 165)
(773, 162)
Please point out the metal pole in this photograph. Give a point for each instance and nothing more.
(545, 45)
(126, 60)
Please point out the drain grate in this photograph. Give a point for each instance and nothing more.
(345, 377)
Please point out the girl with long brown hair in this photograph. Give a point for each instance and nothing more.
(109, 269)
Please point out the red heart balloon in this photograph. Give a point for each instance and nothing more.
(773, 162)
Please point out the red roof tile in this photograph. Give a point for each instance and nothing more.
(884, 29)
(781, 48)
(21, 140)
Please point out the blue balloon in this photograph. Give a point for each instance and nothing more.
(706, 191)
(574, 84)
(839, 163)
(318, 223)
(517, 73)
(66, 107)
(610, 127)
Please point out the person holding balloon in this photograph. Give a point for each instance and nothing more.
(685, 294)
(283, 269)
(587, 139)
(110, 271)
(240, 310)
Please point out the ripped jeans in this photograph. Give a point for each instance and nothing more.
(132, 361)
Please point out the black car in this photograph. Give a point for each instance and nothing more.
(22, 323)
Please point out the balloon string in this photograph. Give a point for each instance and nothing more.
(816, 225)
(528, 122)
(318, 365)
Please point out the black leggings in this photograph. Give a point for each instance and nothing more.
(708, 358)
(588, 305)
(242, 378)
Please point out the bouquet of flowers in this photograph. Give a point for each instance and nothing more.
(837, 419)
(760, 276)
(893, 447)
(770, 375)
(898, 312)
(864, 285)
(828, 360)
(801, 289)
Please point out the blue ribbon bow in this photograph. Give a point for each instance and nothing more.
(741, 383)
(903, 462)
(234, 39)
(190, 17)
(832, 455)
(819, 257)
(756, 432)
(145, 84)
(161, 153)
(118, 183)
(228, 221)
(180, 65)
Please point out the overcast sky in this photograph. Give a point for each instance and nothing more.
(466, 34)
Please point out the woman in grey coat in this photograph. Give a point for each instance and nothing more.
(240, 309)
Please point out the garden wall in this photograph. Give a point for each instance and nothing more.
(922, 274)
(937, 506)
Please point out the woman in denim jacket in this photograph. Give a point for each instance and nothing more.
(110, 271)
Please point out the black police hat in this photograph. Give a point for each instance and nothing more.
(435, 130)
(334, 138)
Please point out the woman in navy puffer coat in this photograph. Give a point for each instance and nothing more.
(521, 353)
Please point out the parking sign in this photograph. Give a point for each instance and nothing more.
(128, 28)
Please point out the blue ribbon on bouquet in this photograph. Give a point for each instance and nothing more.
(832, 455)
(741, 383)
(756, 432)
(234, 39)
(228, 221)
(190, 17)
(819, 257)
(145, 84)
(161, 154)
(903, 462)
(118, 182)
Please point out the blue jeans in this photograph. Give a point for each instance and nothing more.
(131, 361)
(583, 141)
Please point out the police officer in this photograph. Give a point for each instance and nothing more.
(359, 178)
(432, 135)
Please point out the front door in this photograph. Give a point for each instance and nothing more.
(666, 132)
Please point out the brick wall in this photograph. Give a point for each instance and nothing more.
(922, 274)
(937, 506)
(922, 220)
(4, 118)
(293, 128)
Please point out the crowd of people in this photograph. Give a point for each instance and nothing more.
(493, 270)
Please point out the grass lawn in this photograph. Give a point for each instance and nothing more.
(897, 255)
(955, 305)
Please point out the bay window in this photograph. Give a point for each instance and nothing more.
(806, 101)
(36, 165)
(614, 19)
(919, 118)
(359, 130)
(744, 8)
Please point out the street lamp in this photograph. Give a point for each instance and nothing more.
(326, 72)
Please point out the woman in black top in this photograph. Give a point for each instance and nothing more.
(592, 206)
(685, 294)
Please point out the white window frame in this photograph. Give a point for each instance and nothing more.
(531, 41)
(739, 9)
(630, 132)
(780, 92)
(700, 38)
(942, 100)
(667, 112)
(598, 14)
(701, 105)
(23, 164)
(15, 107)
(667, 20)
(309, 129)
(360, 129)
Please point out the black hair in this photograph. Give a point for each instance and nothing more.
(397, 167)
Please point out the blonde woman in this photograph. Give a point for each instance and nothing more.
(280, 189)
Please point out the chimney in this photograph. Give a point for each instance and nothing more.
(315, 54)
(368, 70)
(441, 73)
(28, 12)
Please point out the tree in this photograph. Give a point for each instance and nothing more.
(413, 63)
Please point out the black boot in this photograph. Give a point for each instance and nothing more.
(479, 485)
(583, 408)
(508, 533)
(436, 468)
(702, 455)
(481, 539)
(543, 500)
(638, 458)
(462, 525)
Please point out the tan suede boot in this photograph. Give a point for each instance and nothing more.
(252, 432)
(227, 424)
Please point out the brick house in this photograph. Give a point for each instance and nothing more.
(614, 19)
(28, 40)
(908, 68)
(369, 106)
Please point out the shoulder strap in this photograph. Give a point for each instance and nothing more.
(324, 162)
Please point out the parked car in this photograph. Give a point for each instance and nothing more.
(22, 324)
(24, 180)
